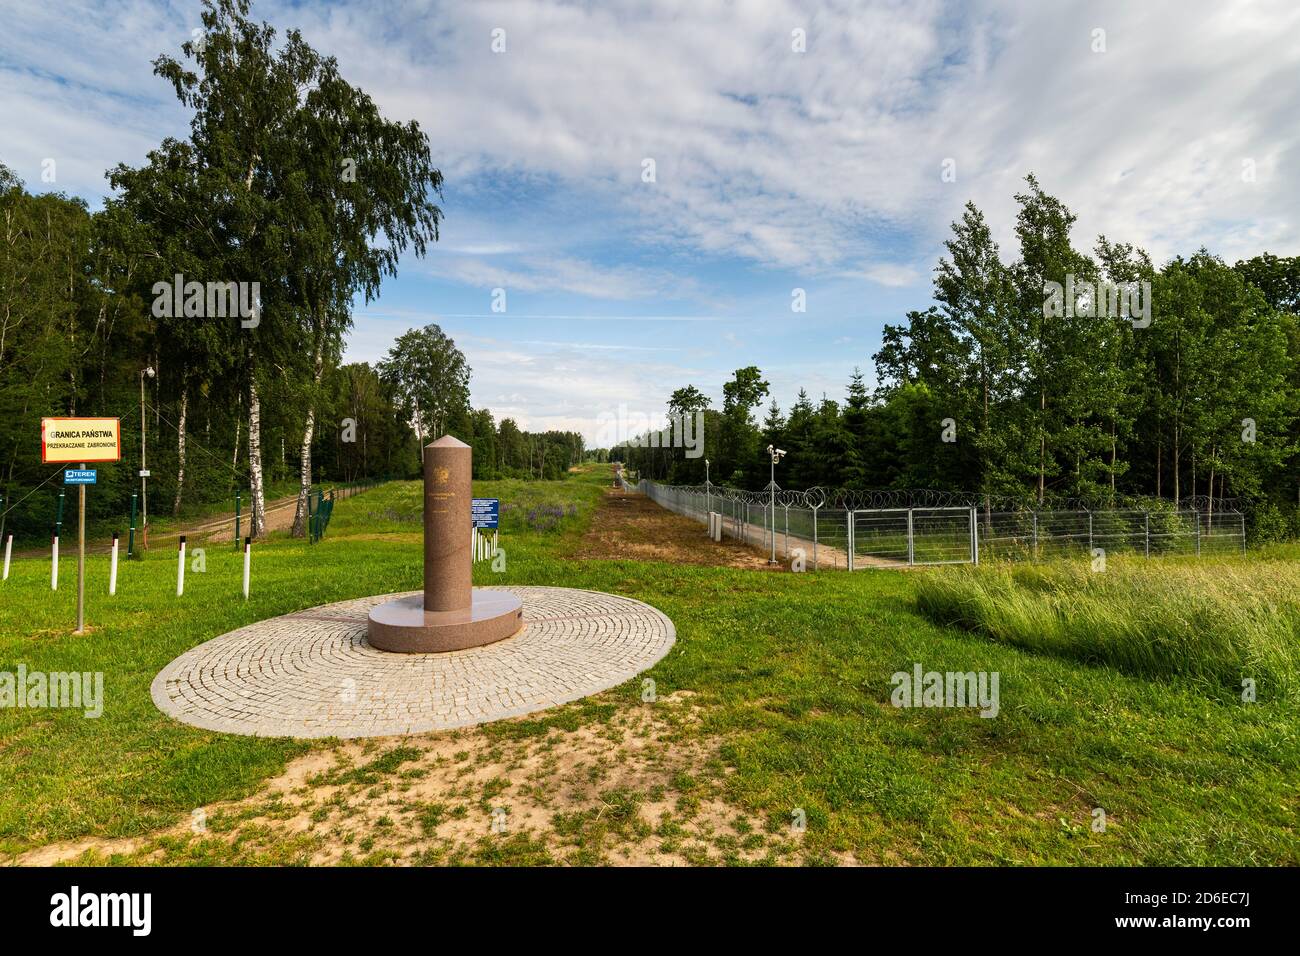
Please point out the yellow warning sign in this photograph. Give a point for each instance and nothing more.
(67, 440)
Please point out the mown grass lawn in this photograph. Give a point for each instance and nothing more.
(791, 672)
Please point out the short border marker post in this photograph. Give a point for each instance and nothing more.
(180, 568)
(112, 568)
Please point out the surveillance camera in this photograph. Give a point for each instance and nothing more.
(769, 449)
(780, 451)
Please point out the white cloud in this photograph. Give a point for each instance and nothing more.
(888, 274)
(818, 160)
(807, 161)
(539, 273)
(826, 164)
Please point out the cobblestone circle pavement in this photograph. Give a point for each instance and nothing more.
(313, 674)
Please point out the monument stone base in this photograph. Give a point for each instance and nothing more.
(406, 627)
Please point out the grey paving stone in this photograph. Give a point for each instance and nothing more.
(313, 674)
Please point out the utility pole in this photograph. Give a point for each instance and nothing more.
(144, 468)
(776, 455)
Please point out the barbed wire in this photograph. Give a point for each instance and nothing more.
(852, 499)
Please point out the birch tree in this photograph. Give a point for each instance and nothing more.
(363, 197)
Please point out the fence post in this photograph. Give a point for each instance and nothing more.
(848, 517)
(1146, 552)
(974, 536)
(787, 530)
(1089, 532)
(1243, 534)
(814, 540)
(1034, 552)
(236, 519)
(911, 540)
(1196, 519)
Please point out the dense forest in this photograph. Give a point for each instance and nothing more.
(995, 390)
(290, 184)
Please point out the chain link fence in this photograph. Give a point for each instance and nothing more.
(852, 530)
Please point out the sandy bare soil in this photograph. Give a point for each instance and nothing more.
(625, 786)
(630, 526)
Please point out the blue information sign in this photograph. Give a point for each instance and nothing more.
(485, 512)
(79, 476)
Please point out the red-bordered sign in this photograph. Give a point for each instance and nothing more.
(76, 440)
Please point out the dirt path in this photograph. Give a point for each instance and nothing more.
(629, 526)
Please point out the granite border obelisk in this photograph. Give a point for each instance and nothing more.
(450, 614)
(447, 495)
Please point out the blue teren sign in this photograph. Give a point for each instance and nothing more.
(485, 512)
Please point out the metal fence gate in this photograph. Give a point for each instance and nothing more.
(901, 537)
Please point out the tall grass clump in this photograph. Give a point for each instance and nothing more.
(1216, 622)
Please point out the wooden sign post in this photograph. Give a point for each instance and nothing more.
(83, 440)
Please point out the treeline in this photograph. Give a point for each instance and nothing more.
(77, 336)
(1005, 387)
(290, 199)
(75, 340)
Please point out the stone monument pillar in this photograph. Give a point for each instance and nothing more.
(450, 614)
(447, 539)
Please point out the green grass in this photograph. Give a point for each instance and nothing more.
(1216, 623)
(791, 672)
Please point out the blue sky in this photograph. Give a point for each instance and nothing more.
(775, 169)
